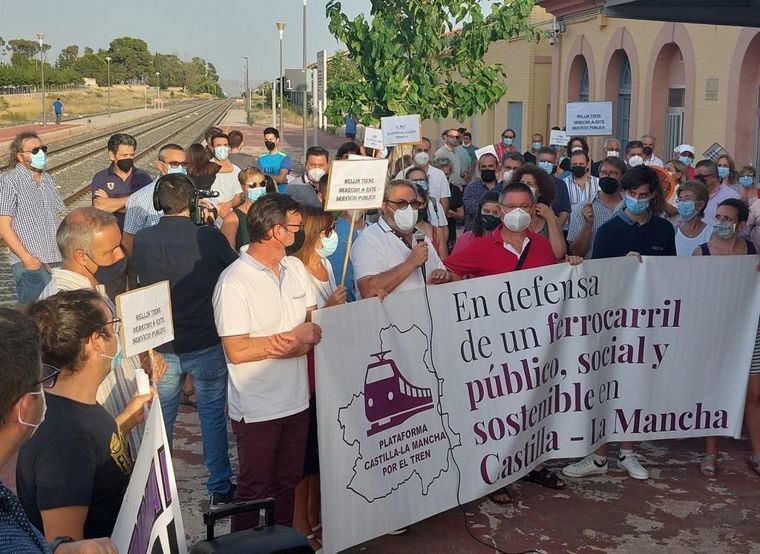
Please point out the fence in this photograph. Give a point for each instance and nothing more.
(34, 89)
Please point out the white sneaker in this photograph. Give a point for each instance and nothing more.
(633, 467)
(398, 531)
(587, 466)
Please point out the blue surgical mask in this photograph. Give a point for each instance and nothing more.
(507, 141)
(685, 160)
(687, 210)
(537, 146)
(179, 169)
(38, 161)
(423, 184)
(221, 152)
(723, 172)
(256, 193)
(746, 181)
(546, 166)
(637, 207)
(329, 245)
(724, 230)
(117, 357)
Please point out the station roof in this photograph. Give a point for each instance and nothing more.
(743, 13)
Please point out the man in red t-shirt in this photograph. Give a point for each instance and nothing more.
(510, 247)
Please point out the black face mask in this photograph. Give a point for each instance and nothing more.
(125, 165)
(269, 144)
(490, 222)
(300, 236)
(578, 170)
(488, 175)
(648, 150)
(608, 184)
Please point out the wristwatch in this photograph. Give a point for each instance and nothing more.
(58, 541)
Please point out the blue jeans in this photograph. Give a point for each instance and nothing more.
(29, 284)
(208, 368)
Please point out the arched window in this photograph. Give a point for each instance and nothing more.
(583, 90)
(623, 123)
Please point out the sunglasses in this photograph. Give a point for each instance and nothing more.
(254, 184)
(177, 164)
(36, 149)
(403, 204)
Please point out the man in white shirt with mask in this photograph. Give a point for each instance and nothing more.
(305, 189)
(389, 255)
(649, 143)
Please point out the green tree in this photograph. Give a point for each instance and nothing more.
(131, 59)
(26, 48)
(92, 66)
(67, 57)
(424, 56)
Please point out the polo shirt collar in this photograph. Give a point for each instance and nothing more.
(257, 265)
(497, 239)
(624, 216)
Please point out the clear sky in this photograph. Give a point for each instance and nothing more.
(219, 31)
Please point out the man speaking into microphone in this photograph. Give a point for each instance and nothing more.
(389, 255)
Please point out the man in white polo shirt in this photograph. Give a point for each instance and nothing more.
(261, 306)
(387, 256)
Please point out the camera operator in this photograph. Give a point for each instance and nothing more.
(191, 257)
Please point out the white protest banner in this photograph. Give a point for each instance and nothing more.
(400, 129)
(146, 318)
(356, 184)
(588, 118)
(373, 138)
(490, 149)
(525, 367)
(150, 519)
(558, 138)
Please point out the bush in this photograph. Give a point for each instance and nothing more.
(3, 104)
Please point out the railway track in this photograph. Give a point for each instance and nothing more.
(75, 174)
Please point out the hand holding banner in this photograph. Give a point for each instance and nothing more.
(146, 318)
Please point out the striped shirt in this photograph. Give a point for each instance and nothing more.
(17, 534)
(602, 214)
(34, 209)
(140, 211)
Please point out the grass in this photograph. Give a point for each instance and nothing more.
(24, 108)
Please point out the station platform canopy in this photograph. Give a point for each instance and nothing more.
(742, 13)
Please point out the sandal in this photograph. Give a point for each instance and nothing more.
(317, 530)
(497, 496)
(188, 399)
(754, 463)
(545, 478)
(709, 466)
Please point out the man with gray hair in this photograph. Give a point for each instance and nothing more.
(389, 255)
(611, 149)
(29, 212)
(649, 143)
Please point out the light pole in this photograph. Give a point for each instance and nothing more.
(281, 29)
(108, 62)
(306, 74)
(41, 40)
(158, 90)
(247, 87)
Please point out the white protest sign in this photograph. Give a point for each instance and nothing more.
(146, 318)
(589, 118)
(150, 519)
(400, 129)
(356, 184)
(490, 149)
(373, 138)
(558, 138)
(518, 369)
(359, 157)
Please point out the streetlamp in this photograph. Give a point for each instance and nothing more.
(158, 90)
(41, 40)
(108, 61)
(306, 73)
(247, 87)
(281, 29)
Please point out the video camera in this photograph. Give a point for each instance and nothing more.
(202, 213)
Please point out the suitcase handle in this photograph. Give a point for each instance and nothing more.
(215, 513)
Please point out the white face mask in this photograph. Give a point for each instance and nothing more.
(405, 219)
(507, 176)
(315, 174)
(516, 220)
(613, 153)
(634, 161)
(421, 159)
(35, 426)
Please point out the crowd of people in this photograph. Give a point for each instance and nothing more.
(250, 253)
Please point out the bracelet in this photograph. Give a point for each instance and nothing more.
(58, 541)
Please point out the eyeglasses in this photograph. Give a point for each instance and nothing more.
(403, 204)
(299, 226)
(453, 136)
(615, 174)
(177, 164)
(510, 207)
(36, 149)
(329, 230)
(116, 322)
(702, 178)
(48, 376)
(254, 184)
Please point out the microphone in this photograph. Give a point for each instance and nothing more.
(419, 237)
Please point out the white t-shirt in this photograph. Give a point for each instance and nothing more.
(250, 300)
(438, 187)
(654, 160)
(685, 245)
(324, 289)
(227, 185)
(379, 249)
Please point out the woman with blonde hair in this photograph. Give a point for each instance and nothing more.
(727, 172)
